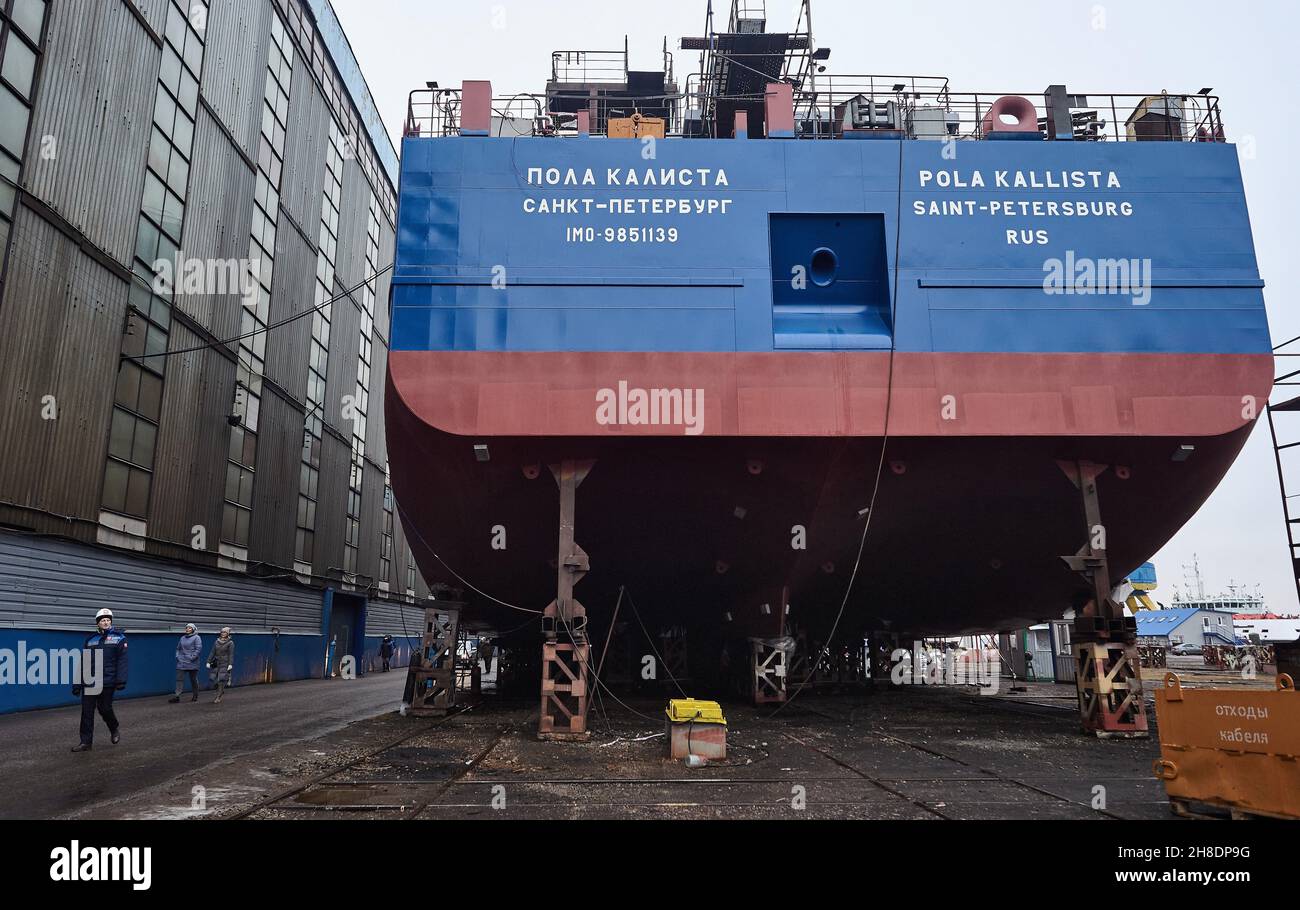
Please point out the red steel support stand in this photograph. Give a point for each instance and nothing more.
(435, 676)
(565, 649)
(1109, 669)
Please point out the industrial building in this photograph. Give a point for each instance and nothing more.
(1185, 626)
(193, 431)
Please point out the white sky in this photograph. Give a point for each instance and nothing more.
(1247, 51)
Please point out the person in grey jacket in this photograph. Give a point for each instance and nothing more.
(189, 651)
(221, 662)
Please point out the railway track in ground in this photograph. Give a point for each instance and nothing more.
(1044, 710)
(322, 780)
(334, 791)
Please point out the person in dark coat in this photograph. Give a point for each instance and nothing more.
(105, 679)
(221, 662)
(189, 651)
(386, 650)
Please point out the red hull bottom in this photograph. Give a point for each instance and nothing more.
(966, 534)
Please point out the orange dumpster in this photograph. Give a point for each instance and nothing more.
(1233, 749)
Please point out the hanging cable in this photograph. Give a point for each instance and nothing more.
(884, 442)
(600, 665)
(663, 663)
(600, 684)
(411, 527)
(401, 611)
(274, 325)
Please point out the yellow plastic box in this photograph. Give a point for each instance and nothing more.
(696, 727)
(680, 710)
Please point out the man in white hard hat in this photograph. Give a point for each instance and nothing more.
(111, 643)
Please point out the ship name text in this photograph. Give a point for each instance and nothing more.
(616, 176)
(1063, 181)
(1024, 180)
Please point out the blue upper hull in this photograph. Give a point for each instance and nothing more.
(511, 245)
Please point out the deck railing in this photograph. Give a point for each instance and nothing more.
(589, 67)
(915, 107)
(912, 105)
(436, 113)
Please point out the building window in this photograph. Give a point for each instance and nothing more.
(21, 25)
(386, 541)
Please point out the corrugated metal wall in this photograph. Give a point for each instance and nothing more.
(218, 218)
(382, 314)
(332, 504)
(144, 595)
(306, 136)
(190, 459)
(96, 103)
(355, 212)
(376, 441)
(234, 66)
(401, 552)
(345, 329)
(275, 487)
(60, 331)
(386, 617)
(62, 315)
(155, 12)
(372, 510)
(402, 543)
(294, 291)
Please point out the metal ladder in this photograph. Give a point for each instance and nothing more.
(1285, 431)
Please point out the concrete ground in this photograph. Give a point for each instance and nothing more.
(161, 742)
(336, 749)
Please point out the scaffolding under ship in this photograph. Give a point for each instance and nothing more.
(814, 345)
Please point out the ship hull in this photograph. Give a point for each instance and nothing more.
(722, 530)
(813, 302)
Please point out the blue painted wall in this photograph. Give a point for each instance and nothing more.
(153, 662)
(960, 284)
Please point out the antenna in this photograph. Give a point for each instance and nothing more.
(1195, 571)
